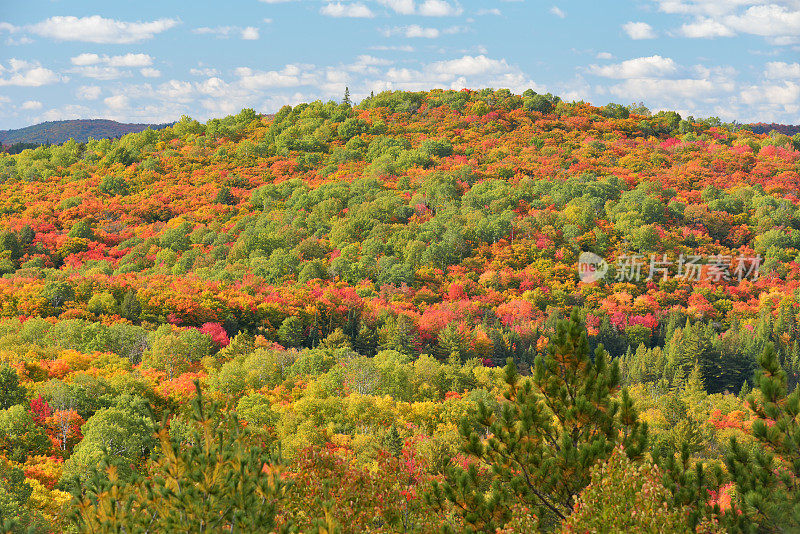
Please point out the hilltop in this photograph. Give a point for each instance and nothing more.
(57, 132)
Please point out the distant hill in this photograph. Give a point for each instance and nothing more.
(763, 128)
(55, 132)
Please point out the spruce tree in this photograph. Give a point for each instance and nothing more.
(550, 430)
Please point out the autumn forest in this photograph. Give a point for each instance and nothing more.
(444, 311)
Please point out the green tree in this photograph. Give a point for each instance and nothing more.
(767, 488)
(211, 478)
(625, 496)
(121, 435)
(290, 332)
(11, 392)
(550, 430)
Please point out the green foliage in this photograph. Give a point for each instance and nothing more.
(121, 436)
(211, 478)
(626, 496)
(11, 392)
(766, 478)
(550, 430)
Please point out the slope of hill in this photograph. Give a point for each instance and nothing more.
(786, 129)
(349, 279)
(56, 132)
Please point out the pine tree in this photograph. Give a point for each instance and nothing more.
(766, 479)
(551, 429)
(346, 100)
(217, 479)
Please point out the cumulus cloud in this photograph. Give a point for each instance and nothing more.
(127, 60)
(116, 101)
(641, 67)
(150, 72)
(27, 74)
(96, 29)
(781, 71)
(31, 105)
(705, 28)
(346, 10)
(555, 10)
(412, 31)
(639, 30)
(404, 7)
(88, 92)
(438, 8)
(250, 33)
(778, 21)
(427, 8)
(777, 98)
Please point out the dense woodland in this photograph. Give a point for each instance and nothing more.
(56, 132)
(370, 319)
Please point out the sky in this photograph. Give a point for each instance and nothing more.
(153, 61)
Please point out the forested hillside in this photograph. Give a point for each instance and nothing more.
(56, 132)
(384, 309)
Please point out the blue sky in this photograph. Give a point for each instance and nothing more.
(147, 61)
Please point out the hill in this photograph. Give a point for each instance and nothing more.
(786, 129)
(56, 132)
(348, 282)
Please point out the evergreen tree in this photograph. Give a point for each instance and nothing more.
(766, 479)
(215, 479)
(551, 429)
(346, 100)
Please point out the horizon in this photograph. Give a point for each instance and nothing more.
(152, 63)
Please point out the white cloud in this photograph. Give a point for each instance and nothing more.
(127, 60)
(412, 31)
(31, 105)
(223, 32)
(250, 33)
(778, 21)
(492, 11)
(639, 30)
(204, 71)
(176, 89)
(70, 111)
(782, 71)
(403, 7)
(786, 95)
(642, 67)
(766, 20)
(27, 74)
(555, 10)
(289, 76)
(149, 72)
(88, 92)
(348, 10)
(101, 72)
(705, 28)
(439, 8)
(604, 55)
(428, 8)
(96, 29)
(267, 20)
(116, 102)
